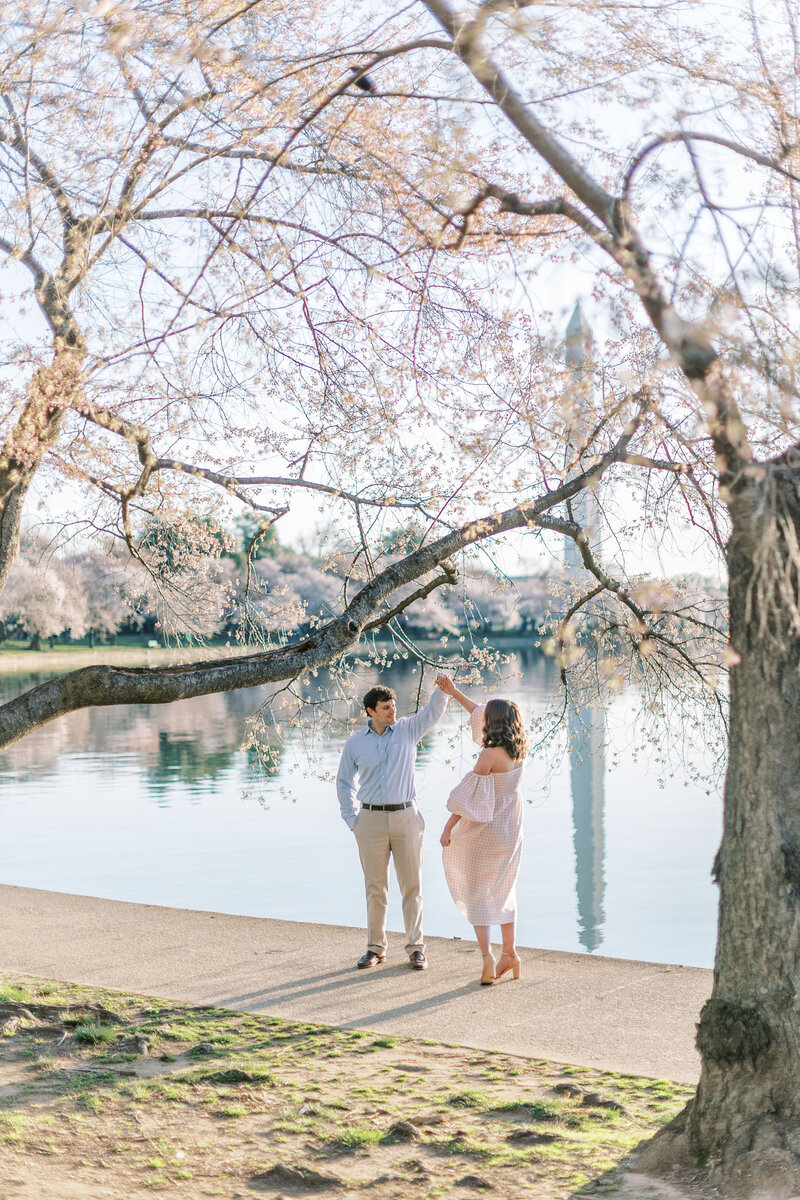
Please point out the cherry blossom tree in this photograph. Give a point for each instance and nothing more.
(312, 250)
(43, 606)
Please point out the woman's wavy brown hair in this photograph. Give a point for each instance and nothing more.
(503, 726)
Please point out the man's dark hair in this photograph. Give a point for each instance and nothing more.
(376, 694)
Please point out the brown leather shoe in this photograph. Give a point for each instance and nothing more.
(417, 960)
(369, 959)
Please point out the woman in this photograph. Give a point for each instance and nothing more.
(482, 840)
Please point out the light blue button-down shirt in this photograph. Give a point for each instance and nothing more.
(384, 765)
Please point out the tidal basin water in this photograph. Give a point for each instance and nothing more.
(160, 805)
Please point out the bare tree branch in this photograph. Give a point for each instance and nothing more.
(688, 136)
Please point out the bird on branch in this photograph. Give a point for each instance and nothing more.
(363, 81)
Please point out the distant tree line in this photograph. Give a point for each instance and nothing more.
(256, 588)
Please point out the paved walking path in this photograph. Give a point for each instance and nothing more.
(573, 1008)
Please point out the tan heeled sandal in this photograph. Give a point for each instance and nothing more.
(487, 975)
(507, 963)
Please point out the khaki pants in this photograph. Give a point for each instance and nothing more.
(399, 834)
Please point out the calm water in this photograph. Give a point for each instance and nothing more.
(160, 805)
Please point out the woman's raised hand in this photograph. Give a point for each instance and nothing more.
(445, 684)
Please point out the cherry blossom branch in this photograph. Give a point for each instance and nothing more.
(448, 576)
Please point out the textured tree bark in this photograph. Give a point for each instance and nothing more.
(10, 523)
(743, 1125)
(52, 391)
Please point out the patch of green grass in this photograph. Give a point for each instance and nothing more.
(469, 1099)
(87, 1081)
(387, 1043)
(163, 1031)
(12, 1126)
(42, 1064)
(593, 1117)
(211, 1076)
(318, 1108)
(532, 1110)
(94, 1034)
(140, 1091)
(157, 1180)
(369, 1093)
(662, 1089)
(235, 1110)
(604, 1140)
(356, 1137)
(9, 994)
(291, 1126)
(468, 1146)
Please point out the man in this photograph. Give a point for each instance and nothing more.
(383, 815)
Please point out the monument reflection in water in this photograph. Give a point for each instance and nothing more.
(586, 727)
(585, 723)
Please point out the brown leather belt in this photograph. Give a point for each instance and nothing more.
(388, 807)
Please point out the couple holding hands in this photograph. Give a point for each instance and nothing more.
(482, 840)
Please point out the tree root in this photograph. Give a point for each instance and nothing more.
(767, 1167)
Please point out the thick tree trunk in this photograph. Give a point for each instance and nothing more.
(743, 1126)
(10, 524)
(52, 391)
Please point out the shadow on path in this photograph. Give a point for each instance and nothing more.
(337, 984)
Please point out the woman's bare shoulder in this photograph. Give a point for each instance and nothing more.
(493, 759)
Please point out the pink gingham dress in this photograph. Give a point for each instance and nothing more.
(482, 861)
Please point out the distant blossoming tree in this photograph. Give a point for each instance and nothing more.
(44, 604)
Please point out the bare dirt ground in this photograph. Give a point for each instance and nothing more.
(104, 1094)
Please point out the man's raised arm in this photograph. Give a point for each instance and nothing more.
(427, 717)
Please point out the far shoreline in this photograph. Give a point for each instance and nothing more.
(26, 661)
